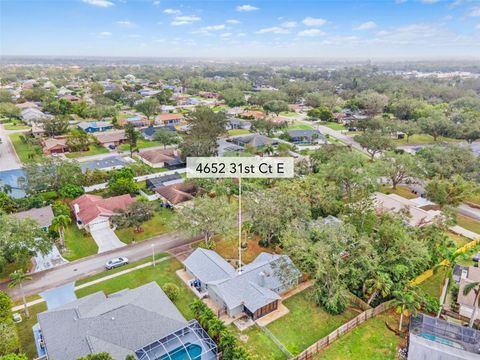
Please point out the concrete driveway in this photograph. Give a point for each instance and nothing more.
(105, 237)
(8, 157)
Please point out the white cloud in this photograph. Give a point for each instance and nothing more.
(310, 21)
(212, 28)
(311, 32)
(429, 1)
(99, 3)
(105, 34)
(474, 12)
(273, 30)
(289, 24)
(172, 12)
(156, 2)
(232, 21)
(366, 26)
(226, 35)
(185, 20)
(246, 8)
(126, 23)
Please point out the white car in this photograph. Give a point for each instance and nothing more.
(113, 263)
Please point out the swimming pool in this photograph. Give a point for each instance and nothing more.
(182, 353)
(441, 340)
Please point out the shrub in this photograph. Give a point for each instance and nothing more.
(14, 357)
(71, 191)
(172, 291)
(5, 307)
(10, 342)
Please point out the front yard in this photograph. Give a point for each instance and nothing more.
(335, 126)
(306, 322)
(25, 333)
(93, 149)
(468, 223)
(300, 126)
(15, 126)
(78, 244)
(25, 151)
(420, 139)
(141, 144)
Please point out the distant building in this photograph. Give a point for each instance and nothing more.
(95, 126)
(33, 115)
(111, 138)
(178, 193)
(254, 140)
(165, 180)
(305, 137)
(105, 164)
(149, 132)
(159, 158)
(435, 339)
(168, 119)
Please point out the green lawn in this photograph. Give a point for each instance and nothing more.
(372, 340)
(306, 322)
(25, 333)
(258, 344)
(11, 267)
(300, 126)
(288, 113)
(334, 126)
(163, 272)
(459, 240)
(23, 150)
(468, 223)
(474, 198)
(17, 126)
(78, 244)
(141, 144)
(93, 149)
(238, 132)
(434, 284)
(400, 190)
(422, 139)
(159, 224)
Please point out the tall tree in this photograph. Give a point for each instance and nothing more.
(449, 191)
(166, 137)
(57, 125)
(59, 223)
(435, 124)
(380, 283)
(374, 142)
(148, 107)
(134, 215)
(407, 302)
(400, 167)
(275, 106)
(78, 140)
(132, 136)
(16, 279)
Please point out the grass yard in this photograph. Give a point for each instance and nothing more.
(228, 249)
(15, 126)
(288, 113)
(434, 284)
(23, 150)
(93, 149)
(372, 340)
(162, 273)
(468, 223)
(306, 322)
(400, 190)
(11, 267)
(459, 239)
(141, 144)
(78, 244)
(474, 198)
(300, 126)
(335, 126)
(159, 224)
(235, 132)
(25, 333)
(417, 139)
(258, 344)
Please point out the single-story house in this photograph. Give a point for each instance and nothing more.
(141, 322)
(394, 203)
(305, 136)
(255, 140)
(252, 114)
(238, 124)
(159, 158)
(106, 164)
(164, 180)
(44, 216)
(95, 126)
(89, 210)
(178, 193)
(27, 105)
(168, 119)
(37, 130)
(254, 289)
(33, 115)
(71, 98)
(467, 302)
(113, 138)
(149, 132)
(136, 121)
(55, 146)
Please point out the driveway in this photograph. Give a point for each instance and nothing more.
(8, 157)
(105, 237)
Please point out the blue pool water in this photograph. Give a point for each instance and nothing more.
(441, 340)
(182, 353)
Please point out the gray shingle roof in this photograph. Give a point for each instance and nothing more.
(119, 324)
(44, 216)
(208, 266)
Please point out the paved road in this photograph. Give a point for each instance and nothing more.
(116, 153)
(469, 211)
(95, 264)
(8, 157)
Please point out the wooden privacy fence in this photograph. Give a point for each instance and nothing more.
(343, 329)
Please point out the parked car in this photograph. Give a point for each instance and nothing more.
(112, 147)
(476, 257)
(113, 263)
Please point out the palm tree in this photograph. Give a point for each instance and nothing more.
(380, 284)
(268, 149)
(215, 328)
(475, 286)
(407, 302)
(447, 265)
(16, 279)
(59, 223)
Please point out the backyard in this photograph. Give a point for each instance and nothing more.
(78, 244)
(228, 249)
(400, 190)
(306, 322)
(255, 341)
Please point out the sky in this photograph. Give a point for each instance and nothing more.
(382, 29)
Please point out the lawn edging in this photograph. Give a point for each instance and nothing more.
(343, 329)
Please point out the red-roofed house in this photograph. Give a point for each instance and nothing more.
(168, 119)
(90, 210)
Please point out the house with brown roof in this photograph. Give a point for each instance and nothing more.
(110, 138)
(159, 158)
(55, 146)
(89, 210)
(252, 114)
(176, 194)
(168, 119)
(467, 302)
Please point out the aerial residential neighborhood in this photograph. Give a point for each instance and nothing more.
(208, 180)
